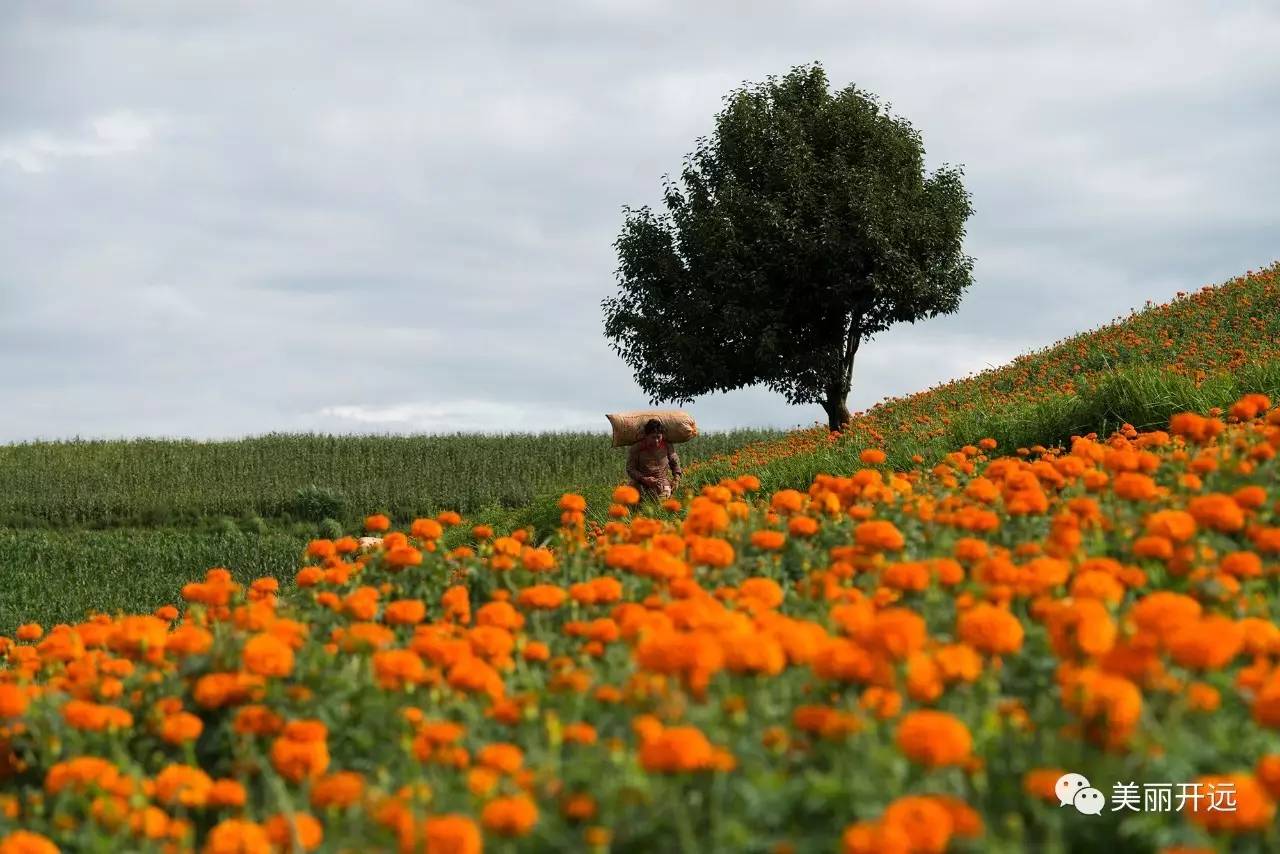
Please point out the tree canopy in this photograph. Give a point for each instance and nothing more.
(802, 225)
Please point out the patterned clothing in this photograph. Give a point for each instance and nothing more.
(658, 460)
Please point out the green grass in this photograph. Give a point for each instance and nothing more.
(56, 576)
(158, 483)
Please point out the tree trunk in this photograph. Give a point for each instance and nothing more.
(837, 392)
(837, 413)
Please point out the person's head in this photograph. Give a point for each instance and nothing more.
(653, 430)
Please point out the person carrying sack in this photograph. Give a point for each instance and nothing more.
(652, 463)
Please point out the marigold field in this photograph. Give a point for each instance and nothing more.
(900, 653)
(887, 661)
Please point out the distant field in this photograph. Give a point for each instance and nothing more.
(156, 482)
(54, 576)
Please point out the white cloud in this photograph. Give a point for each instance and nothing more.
(108, 135)
(473, 415)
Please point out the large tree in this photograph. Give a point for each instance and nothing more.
(804, 224)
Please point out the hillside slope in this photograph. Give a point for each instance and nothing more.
(1202, 350)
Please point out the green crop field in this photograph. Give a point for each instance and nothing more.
(108, 525)
(154, 482)
(56, 576)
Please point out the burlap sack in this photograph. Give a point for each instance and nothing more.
(628, 427)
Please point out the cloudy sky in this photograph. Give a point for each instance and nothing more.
(228, 218)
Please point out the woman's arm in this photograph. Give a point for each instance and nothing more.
(673, 460)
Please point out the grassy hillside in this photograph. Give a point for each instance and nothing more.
(1200, 351)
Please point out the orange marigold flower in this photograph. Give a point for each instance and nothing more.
(1250, 497)
(1217, 512)
(764, 591)
(183, 785)
(402, 556)
(1249, 407)
(1159, 548)
(93, 717)
(626, 495)
(80, 773)
(1162, 612)
(511, 816)
(925, 821)
(768, 540)
(878, 535)
(283, 830)
(1134, 486)
(405, 612)
(573, 502)
(340, 789)
(1176, 525)
(989, 629)
(321, 548)
(426, 529)
(538, 560)
(395, 669)
(677, 750)
(181, 727)
(1268, 773)
(452, 834)
(1203, 697)
(801, 526)
(507, 758)
(579, 807)
(545, 597)
(908, 575)
(227, 793)
(377, 523)
(874, 837)
(266, 655)
(1195, 427)
(26, 842)
(787, 501)
(1206, 644)
(13, 700)
(872, 456)
(934, 738)
(257, 720)
(300, 751)
(898, 632)
(711, 551)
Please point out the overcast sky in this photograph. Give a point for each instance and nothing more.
(227, 218)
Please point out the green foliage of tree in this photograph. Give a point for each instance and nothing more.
(803, 225)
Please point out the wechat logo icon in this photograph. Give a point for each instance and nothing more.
(1074, 789)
